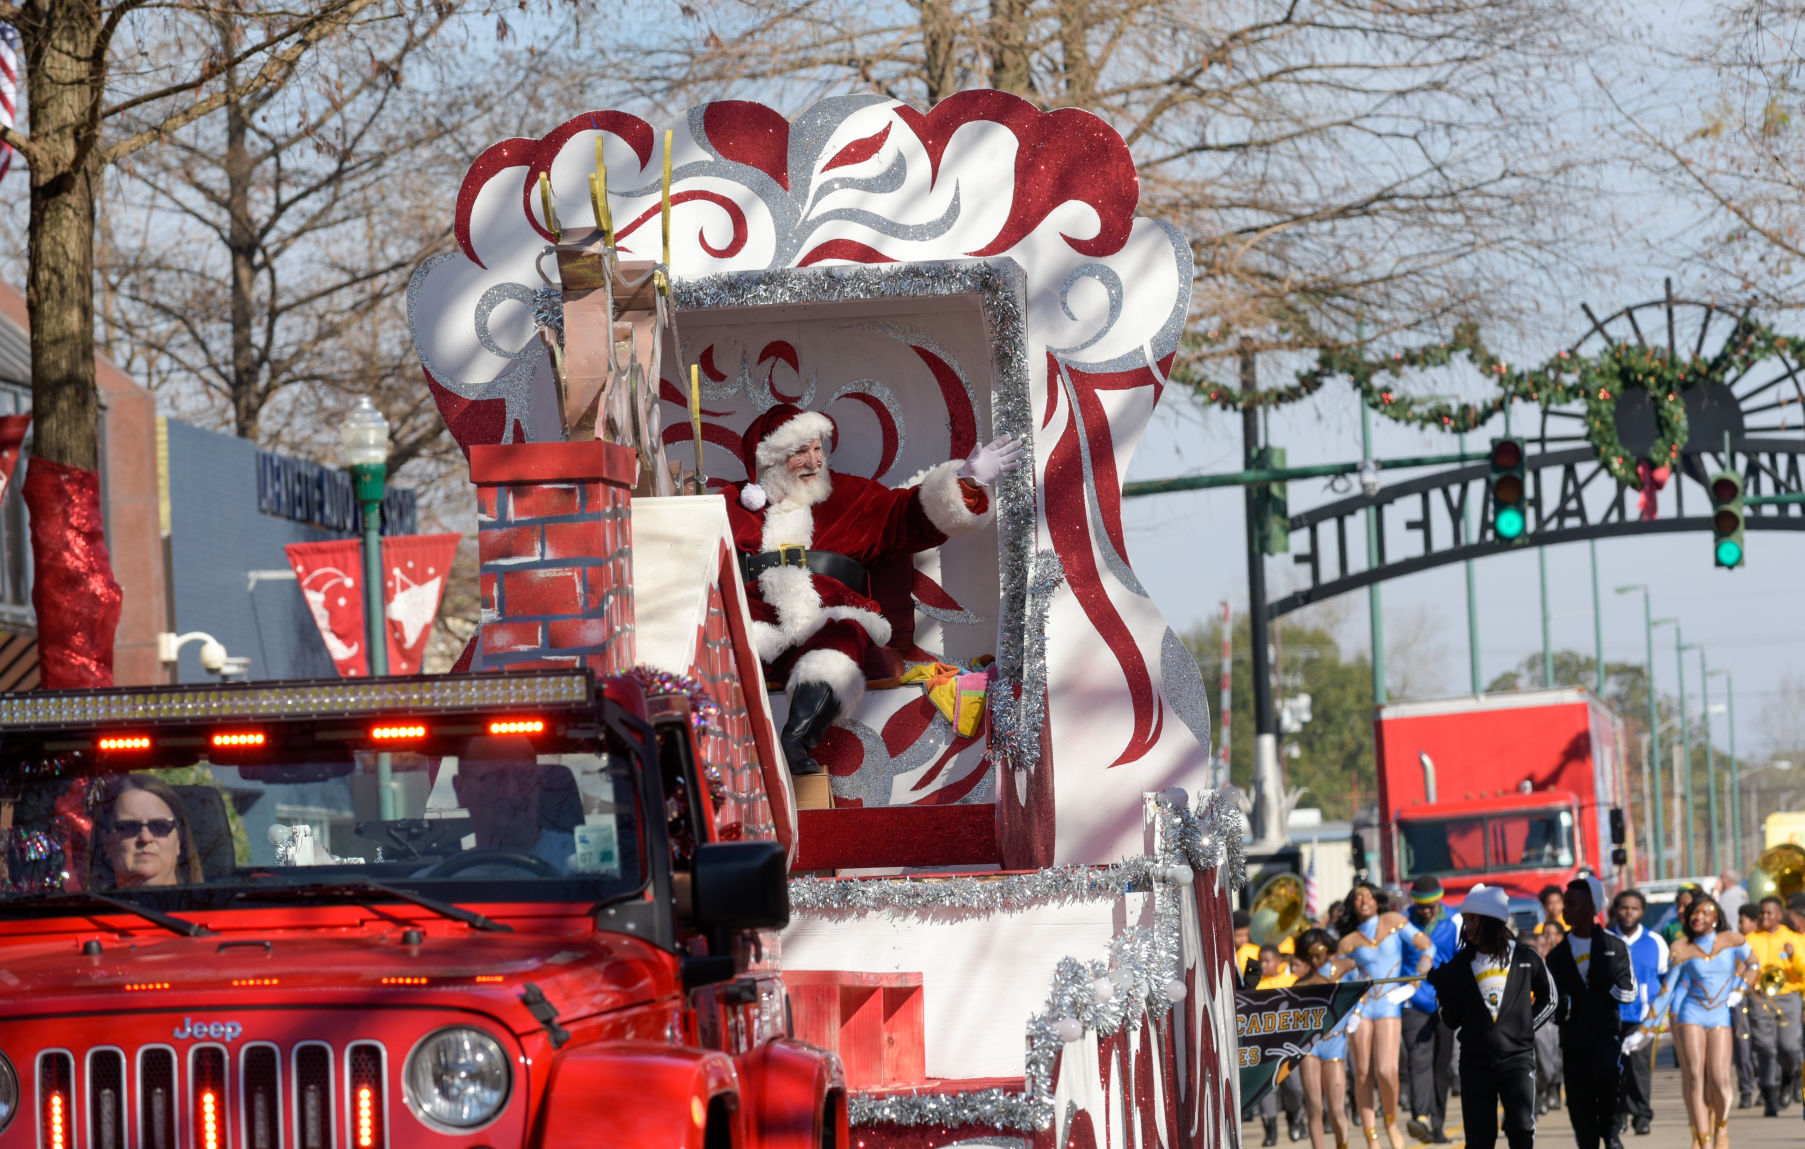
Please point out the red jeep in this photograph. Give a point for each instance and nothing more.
(483, 912)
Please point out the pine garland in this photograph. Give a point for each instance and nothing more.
(1595, 381)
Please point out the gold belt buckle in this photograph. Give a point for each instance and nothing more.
(783, 555)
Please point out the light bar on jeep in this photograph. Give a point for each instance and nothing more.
(311, 699)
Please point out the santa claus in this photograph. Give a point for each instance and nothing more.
(808, 539)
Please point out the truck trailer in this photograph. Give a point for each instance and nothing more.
(1521, 790)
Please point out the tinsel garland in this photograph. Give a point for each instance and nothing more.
(704, 711)
(1101, 995)
(1595, 381)
(1015, 729)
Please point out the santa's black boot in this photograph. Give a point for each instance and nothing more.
(813, 709)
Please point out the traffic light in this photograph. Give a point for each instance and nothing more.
(1272, 528)
(1726, 519)
(1508, 490)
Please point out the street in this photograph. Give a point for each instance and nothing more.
(1748, 1128)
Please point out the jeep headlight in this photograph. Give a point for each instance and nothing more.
(9, 1092)
(457, 1077)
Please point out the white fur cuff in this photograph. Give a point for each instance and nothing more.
(837, 672)
(944, 502)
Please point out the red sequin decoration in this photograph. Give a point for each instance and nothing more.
(77, 599)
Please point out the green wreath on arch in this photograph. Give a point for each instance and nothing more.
(1594, 381)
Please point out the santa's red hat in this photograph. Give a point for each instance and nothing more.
(773, 437)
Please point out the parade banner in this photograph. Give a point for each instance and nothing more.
(1276, 1027)
(332, 582)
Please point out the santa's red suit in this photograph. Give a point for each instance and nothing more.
(808, 549)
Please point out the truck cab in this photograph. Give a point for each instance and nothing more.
(1522, 841)
(491, 910)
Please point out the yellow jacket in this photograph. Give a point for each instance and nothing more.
(1770, 949)
(1278, 980)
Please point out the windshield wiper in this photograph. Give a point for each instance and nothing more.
(90, 899)
(360, 890)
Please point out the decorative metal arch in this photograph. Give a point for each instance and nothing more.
(1572, 496)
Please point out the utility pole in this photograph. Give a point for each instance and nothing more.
(1547, 644)
(1374, 602)
(1597, 623)
(1268, 783)
(1654, 729)
(1736, 843)
(1685, 779)
(1470, 532)
(1713, 833)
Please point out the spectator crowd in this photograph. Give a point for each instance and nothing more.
(1561, 1008)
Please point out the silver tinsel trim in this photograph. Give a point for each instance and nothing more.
(1101, 995)
(1015, 730)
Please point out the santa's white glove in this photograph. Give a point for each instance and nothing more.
(990, 461)
(1398, 995)
(1635, 1041)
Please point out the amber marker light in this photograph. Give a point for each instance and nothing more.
(253, 982)
(400, 732)
(126, 742)
(488, 978)
(241, 738)
(518, 726)
(138, 986)
(366, 1117)
(209, 1120)
(56, 1122)
(403, 981)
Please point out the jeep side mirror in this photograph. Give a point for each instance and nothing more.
(1620, 857)
(1617, 834)
(741, 886)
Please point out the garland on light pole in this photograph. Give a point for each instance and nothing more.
(1595, 381)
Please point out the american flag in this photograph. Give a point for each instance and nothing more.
(9, 88)
(1312, 892)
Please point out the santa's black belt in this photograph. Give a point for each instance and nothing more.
(828, 564)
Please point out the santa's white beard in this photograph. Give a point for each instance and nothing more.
(783, 487)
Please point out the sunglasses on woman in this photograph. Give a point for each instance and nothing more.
(158, 827)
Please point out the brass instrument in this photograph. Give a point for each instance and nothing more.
(1779, 872)
(1772, 980)
(1277, 911)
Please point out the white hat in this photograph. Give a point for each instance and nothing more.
(1597, 888)
(1487, 902)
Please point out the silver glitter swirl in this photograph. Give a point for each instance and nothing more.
(876, 776)
(903, 333)
(1113, 560)
(1182, 684)
(951, 617)
(884, 396)
(485, 308)
(1111, 282)
(1140, 960)
(1165, 340)
(892, 178)
(924, 232)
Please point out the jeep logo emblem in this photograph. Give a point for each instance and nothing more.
(224, 1030)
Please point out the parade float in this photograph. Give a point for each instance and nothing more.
(1011, 931)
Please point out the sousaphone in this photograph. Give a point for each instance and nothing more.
(1277, 911)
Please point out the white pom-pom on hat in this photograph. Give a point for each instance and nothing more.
(753, 497)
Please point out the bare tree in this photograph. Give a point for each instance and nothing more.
(1740, 158)
(1332, 160)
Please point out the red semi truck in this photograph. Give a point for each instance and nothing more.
(1520, 790)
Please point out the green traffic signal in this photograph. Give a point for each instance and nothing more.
(1509, 523)
(1508, 490)
(1727, 518)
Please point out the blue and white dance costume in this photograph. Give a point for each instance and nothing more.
(1384, 960)
(1703, 985)
(1332, 1046)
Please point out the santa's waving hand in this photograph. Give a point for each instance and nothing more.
(807, 539)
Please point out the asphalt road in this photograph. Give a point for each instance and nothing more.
(1748, 1128)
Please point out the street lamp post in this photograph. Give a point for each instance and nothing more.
(365, 435)
(1654, 730)
(1679, 665)
(1714, 835)
(1735, 786)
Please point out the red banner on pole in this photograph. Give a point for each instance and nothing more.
(415, 568)
(331, 577)
(12, 440)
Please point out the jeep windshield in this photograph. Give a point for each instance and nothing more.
(231, 811)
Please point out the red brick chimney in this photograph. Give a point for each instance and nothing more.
(555, 554)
